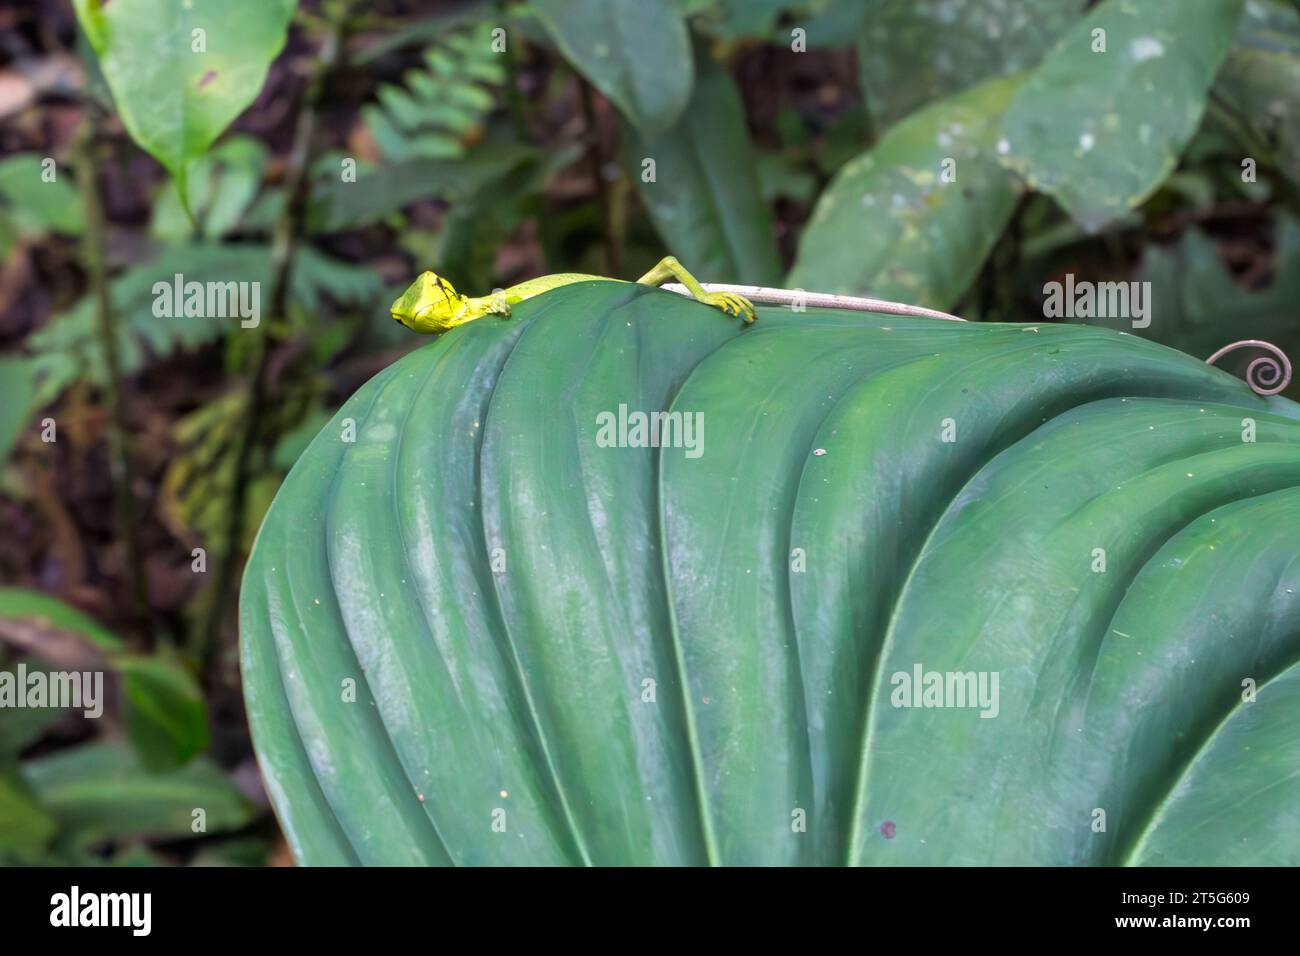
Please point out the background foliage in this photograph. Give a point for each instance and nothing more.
(330, 151)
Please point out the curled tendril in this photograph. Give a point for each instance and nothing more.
(1267, 374)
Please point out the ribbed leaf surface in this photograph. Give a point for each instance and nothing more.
(474, 635)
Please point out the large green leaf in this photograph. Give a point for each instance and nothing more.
(636, 52)
(1095, 665)
(705, 198)
(181, 72)
(1100, 131)
(913, 51)
(891, 225)
(464, 610)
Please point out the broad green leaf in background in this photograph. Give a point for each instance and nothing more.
(234, 851)
(1260, 81)
(705, 198)
(30, 206)
(911, 52)
(222, 187)
(781, 178)
(166, 716)
(101, 792)
(21, 727)
(833, 22)
(181, 72)
(1099, 131)
(636, 52)
(888, 224)
(467, 241)
(736, 19)
(825, 22)
(25, 828)
(17, 401)
(59, 615)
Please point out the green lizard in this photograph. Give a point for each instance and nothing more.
(432, 305)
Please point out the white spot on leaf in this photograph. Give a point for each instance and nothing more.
(1146, 48)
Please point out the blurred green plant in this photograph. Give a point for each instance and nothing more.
(95, 803)
(181, 72)
(928, 237)
(164, 711)
(439, 111)
(1077, 131)
(699, 182)
(73, 803)
(636, 52)
(27, 213)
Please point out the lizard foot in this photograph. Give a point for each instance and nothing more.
(731, 304)
(499, 304)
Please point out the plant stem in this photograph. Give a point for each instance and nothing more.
(94, 252)
(613, 265)
(283, 247)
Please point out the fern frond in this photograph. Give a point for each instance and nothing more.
(441, 109)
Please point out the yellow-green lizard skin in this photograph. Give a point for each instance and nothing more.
(431, 304)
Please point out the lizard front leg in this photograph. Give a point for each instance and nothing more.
(669, 269)
(499, 304)
(478, 306)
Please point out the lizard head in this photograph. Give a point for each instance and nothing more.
(430, 304)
